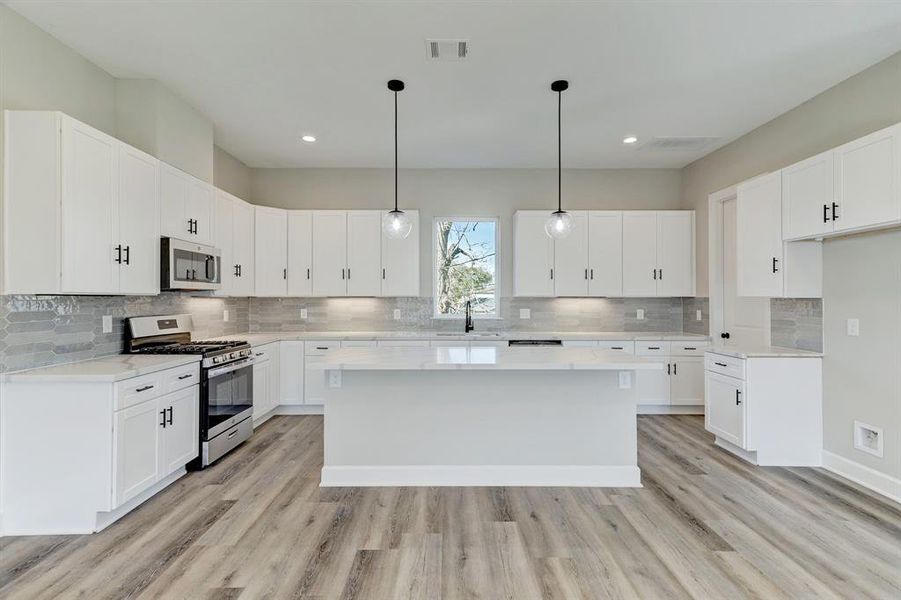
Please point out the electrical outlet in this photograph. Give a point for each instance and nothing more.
(868, 439)
(225, 315)
(397, 314)
(625, 380)
(107, 323)
(698, 316)
(525, 313)
(639, 314)
(334, 379)
(303, 313)
(853, 326)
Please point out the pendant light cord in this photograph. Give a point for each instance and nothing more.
(559, 153)
(395, 151)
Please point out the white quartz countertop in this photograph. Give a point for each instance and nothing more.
(108, 369)
(545, 358)
(752, 351)
(258, 339)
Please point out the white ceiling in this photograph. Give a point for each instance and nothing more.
(265, 72)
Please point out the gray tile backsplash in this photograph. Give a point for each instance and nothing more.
(797, 323)
(690, 322)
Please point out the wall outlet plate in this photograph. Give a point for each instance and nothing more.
(107, 323)
(853, 326)
(639, 314)
(334, 379)
(303, 313)
(698, 315)
(225, 315)
(397, 314)
(525, 313)
(625, 380)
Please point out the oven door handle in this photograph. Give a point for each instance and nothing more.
(247, 362)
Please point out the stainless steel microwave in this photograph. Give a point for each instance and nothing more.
(189, 266)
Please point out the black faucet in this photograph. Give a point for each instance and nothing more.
(469, 325)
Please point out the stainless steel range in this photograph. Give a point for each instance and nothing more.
(226, 380)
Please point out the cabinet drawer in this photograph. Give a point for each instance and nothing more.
(688, 348)
(652, 348)
(180, 378)
(579, 344)
(358, 344)
(403, 343)
(318, 348)
(449, 344)
(130, 392)
(725, 365)
(627, 347)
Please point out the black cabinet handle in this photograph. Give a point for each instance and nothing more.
(668, 369)
(236, 271)
(144, 389)
(825, 213)
(383, 273)
(725, 336)
(689, 348)
(552, 273)
(240, 270)
(591, 272)
(616, 347)
(775, 260)
(586, 273)
(170, 415)
(193, 273)
(308, 273)
(719, 364)
(342, 273)
(119, 254)
(661, 274)
(187, 376)
(322, 347)
(127, 255)
(348, 272)
(284, 273)
(655, 274)
(163, 415)
(737, 397)
(653, 347)
(675, 372)
(834, 211)
(190, 225)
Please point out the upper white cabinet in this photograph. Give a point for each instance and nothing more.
(233, 235)
(659, 253)
(329, 253)
(855, 187)
(533, 255)
(639, 253)
(270, 251)
(81, 210)
(400, 261)
(187, 206)
(364, 257)
(571, 258)
(605, 253)
(300, 253)
(766, 266)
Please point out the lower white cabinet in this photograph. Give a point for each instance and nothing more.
(680, 382)
(314, 384)
(766, 409)
(291, 373)
(265, 381)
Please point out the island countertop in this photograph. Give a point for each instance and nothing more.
(550, 358)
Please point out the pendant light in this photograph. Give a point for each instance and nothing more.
(396, 223)
(560, 223)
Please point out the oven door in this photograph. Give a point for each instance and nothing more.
(226, 397)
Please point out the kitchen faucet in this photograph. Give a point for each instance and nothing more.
(469, 325)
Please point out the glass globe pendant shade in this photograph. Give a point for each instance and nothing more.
(396, 224)
(559, 225)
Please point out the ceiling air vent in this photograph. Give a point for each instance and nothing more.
(447, 49)
(680, 144)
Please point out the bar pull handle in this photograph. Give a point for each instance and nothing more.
(586, 273)
(119, 254)
(163, 415)
(552, 273)
(655, 274)
(719, 364)
(187, 376)
(737, 397)
(775, 260)
(342, 273)
(233, 434)
(616, 347)
(144, 389)
(308, 273)
(284, 273)
(675, 372)
(170, 415)
(835, 214)
(825, 213)
(383, 272)
(591, 274)
(661, 274)
(127, 255)
(668, 367)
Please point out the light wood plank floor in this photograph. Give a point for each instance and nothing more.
(705, 525)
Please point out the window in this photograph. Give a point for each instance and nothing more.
(465, 266)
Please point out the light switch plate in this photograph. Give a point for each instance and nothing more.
(639, 314)
(225, 315)
(525, 313)
(699, 316)
(107, 323)
(853, 326)
(397, 314)
(303, 313)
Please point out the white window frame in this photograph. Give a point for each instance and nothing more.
(497, 266)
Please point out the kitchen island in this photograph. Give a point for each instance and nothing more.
(481, 416)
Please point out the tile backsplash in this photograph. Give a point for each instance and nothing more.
(797, 323)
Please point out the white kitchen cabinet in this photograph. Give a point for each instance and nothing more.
(605, 253)
(675, 253)
(137, 442)
(266, 384)
(243, 248)
(223, 238)
(867, 181)
(400, 261)
(639, 253)
(270, 251)
(687, 380)
(364, 257)
(300, 253)
(726, 411)
(291, 372)
(329, 253)
(182, 429)
(807, 196)
(315, 389)
(679, 383)
(533, 255)
(187, 206)
(652, 388)
(571, 258)
(766, 265)
(81, 210)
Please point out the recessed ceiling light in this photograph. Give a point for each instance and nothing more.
(308, 138)
(630, 139)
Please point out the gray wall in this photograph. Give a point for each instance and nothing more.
(230, 174)
(467, 192)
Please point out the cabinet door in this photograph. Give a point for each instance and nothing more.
(639, 253)
(687, 381)
(223, 230)
(314, 382)
(725, 408)
(300, 253)
(605, 253)
(675, 253)
(173, 203)
(242, 248)
(137, 431)
(758, 239)
(275, 369)
(180, 443)
(868, 180)
(262, 385)
(291, 371)
(90, 220)
(329, 253)
(200, 208)
(571, 259)
(400, 261)
(807, 197)
(270, 251)
(139, 221)
(364, 255)
(653, 387)
(533, 255)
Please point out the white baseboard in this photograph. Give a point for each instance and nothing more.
(668, 409)
(481, 475)
(748, 455)
(298, 409)
(105, 519)
(870, 478)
